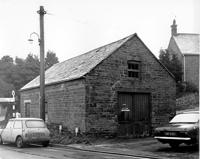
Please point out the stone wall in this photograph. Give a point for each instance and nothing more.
(65, 104)
(111, 76)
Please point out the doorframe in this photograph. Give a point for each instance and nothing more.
(25, 102)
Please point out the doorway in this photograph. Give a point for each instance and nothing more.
(134, 114)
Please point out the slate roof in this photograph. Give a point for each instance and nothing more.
(78, 66)
(188, 43)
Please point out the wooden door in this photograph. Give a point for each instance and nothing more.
(136, 121)
(141, 113)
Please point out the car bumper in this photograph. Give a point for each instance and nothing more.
(172, 138)
(36, 140)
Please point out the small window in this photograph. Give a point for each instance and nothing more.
(133, 69)
(35, 124)
(18, 125)
(133, 66)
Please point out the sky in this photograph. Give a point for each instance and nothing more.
(74, 27)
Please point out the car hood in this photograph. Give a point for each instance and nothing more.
(176, 127)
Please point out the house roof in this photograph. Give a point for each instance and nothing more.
(188, 43)
(78, 66)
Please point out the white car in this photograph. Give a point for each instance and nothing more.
(24, 131)
(183, 128)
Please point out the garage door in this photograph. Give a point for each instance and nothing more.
(134, 114)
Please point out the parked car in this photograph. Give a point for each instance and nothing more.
(24, 131)
(183, 128)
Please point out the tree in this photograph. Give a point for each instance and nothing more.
(14, 74)
(7, 59)
(32, 67)
(50, 59)
(164, 57)
(6, 70)
(172, 63)
(19, 76)
(5, 89)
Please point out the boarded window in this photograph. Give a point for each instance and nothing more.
(27, 109)
(134, 69)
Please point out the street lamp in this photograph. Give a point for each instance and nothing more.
(34, 33)
(41, 12)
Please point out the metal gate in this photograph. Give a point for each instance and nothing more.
(134, 114)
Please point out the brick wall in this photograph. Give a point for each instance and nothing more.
(192, 69)
(65, 103)
(110, 77)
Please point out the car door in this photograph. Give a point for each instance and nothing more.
(7, 132)
(17, 130)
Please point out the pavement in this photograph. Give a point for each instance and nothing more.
(129, 147)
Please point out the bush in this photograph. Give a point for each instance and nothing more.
(190, 87)
(184, 88)
(180, 87)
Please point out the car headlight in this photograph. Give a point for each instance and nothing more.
(195, 127)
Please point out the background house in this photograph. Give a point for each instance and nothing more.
(117, 88)
(187, 48)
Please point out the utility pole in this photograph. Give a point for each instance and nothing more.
(41, 12)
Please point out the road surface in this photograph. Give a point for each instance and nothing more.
(136, 149)
(37, 152)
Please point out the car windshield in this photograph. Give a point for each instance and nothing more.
(185, 118)
(35, 124)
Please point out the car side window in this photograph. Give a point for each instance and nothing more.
(10, 125)
(18, 125)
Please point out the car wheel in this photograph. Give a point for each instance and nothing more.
(19, 142)
(45, 143)
(1, 141)
(174, 145)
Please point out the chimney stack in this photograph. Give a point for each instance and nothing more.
(174, 28)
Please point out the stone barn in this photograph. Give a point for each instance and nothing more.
(119, 88)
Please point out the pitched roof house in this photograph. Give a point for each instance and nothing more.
(187, 47)
(118, 85)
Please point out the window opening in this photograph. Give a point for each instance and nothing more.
(134, 69)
